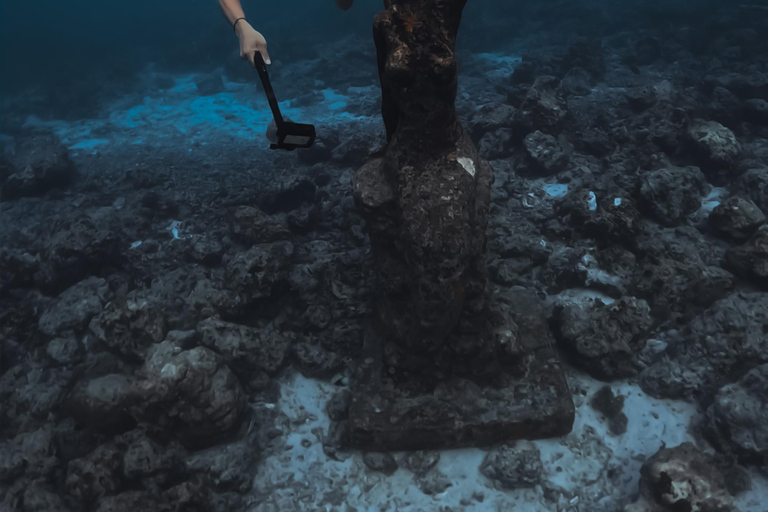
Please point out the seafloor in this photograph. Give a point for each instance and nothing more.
(178, 303)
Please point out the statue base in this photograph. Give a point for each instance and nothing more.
(526, 399)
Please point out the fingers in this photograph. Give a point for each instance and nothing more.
(265, 55)
(251, 56)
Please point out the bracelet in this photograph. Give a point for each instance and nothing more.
(234, 25)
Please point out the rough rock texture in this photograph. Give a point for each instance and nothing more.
(191, 393)
(101, 403)
(81, 247)
(715, 144)
(245, 349)
(610, 405)
(75, 307)
(130, 326)
(681, 478)
(40, 163)
(543, 108)
(671, 194)
(99, 474)
(429, 246)
(381, 462)
(737, 422)
(737, 217)
(605, 340)
(753, 184)
(750, 260)
(254, 226)
(513, 467)
(546, 153)
(716, 348)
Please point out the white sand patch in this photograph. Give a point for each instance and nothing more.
(590, 469)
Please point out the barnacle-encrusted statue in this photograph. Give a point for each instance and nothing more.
(438, 343)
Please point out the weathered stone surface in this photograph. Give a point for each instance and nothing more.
(750, 260)
(421, 462)
(671, 194)
(753, 184)
(428, 244)
(316, 361)
(737, 217)
(99, 474)
(576, 82)
(77, 250)
(29, 454)
(65, 351)
(41, 163)
(717, 347)
(245, 349)
(101, 403)
(130, 326)
(606, 340)
(531, 399)
(610, 405)
(737, 422)
(254, 273)
(543, 108)
(545, 153)
(715, 145)
(254, 226)
(381, 462)
(513, 467)
(75, 307)
(681, 478)
(190, 393)
(229, 468)
(287, 195)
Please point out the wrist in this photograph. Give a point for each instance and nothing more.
(239, 25)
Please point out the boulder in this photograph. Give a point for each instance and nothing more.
(681, 478)
(750, 260)
(737, 421)
(671, 194)
(245, 349)
(74, 307)
(605, 340)
(737, 218)
(545, 153)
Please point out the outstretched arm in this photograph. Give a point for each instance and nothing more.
(251, 41)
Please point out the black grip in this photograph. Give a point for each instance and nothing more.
(261, 67)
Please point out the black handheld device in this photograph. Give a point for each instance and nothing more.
(290, 135)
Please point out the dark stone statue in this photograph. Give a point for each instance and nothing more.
(438, 347)
(426, 199)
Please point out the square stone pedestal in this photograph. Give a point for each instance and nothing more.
(534, 401)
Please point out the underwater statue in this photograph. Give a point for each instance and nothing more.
(446, 362)
(426, 198)
(445, 365)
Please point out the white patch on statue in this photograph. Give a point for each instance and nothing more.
(467, 164)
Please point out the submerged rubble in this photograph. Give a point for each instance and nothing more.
(175, 315)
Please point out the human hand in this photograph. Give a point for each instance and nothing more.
(251, 42)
